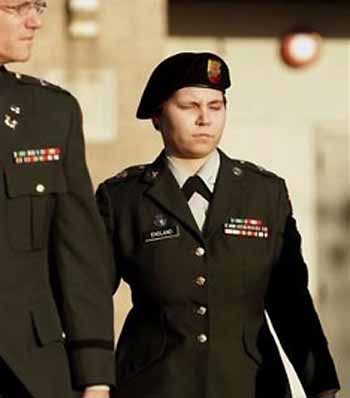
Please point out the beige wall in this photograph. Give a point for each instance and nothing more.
(274, 112)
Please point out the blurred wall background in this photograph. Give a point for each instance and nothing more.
(294, 122)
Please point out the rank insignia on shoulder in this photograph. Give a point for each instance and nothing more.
(254, 167)
(131, 171)
(37, 155)
(249, 227)
(168, 232)
(237, 171)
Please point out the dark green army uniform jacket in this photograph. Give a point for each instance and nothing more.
(55, 295)
(197, 328)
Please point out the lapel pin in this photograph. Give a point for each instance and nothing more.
(15, 109)
(154, 174)
(9, 122)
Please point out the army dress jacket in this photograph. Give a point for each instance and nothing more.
(197, 328)
(56, 329)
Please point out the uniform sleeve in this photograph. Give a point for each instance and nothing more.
(84, 269)
(291, 310)
(104, 204)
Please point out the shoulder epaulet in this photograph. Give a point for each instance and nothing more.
(256, 168)
(126, 174)
(34, 81)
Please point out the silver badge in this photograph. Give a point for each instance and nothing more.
(160, 220)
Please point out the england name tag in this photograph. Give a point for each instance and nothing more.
(168, 232)
(248, 227)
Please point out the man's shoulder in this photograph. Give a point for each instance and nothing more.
(39, 83)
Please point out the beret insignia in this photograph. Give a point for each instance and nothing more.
(214, 71)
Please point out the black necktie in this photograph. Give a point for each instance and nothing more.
(196, 184)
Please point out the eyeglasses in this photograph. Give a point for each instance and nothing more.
(23, 9)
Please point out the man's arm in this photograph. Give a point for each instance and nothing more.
(83, 262)
(290, 307)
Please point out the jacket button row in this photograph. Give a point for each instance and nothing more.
(40, 188)
(200, 281)
(199, 252)
(202, 338)
(201, 310)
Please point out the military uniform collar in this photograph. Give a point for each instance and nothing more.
(3, 70)
(153, 170)
(7, 75)
(208, 172)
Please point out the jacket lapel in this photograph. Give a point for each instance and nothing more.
(166, 192)
(13, 104)
(228, 197)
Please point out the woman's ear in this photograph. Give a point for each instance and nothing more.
(155, 122)
(156, 119)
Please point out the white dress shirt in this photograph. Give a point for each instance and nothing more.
(208, 173)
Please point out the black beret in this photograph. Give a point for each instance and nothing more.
(182, 70)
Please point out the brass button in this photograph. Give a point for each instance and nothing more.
(199, 252)
(40, 188)
(200, 281)
(201, 310)
(202, 338)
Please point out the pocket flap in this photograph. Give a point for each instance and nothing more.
(141, 344)
(35, 180)
(47, 324)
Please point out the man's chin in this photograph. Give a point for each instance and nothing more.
(24, 56)
(25, 59)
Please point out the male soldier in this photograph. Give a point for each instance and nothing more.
(207, 243)
(56, 330)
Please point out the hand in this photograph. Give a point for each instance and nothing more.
(91, 393)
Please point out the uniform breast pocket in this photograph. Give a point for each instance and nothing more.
(31, 191)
